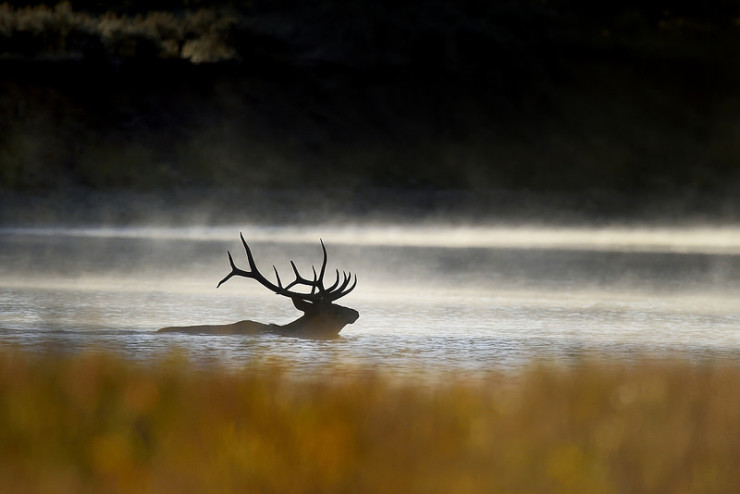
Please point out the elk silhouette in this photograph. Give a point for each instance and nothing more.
(321, 318)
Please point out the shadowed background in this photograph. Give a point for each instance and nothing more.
(614, 110)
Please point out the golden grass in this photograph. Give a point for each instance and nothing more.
(99, 423)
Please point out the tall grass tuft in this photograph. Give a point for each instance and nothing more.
(99, 423)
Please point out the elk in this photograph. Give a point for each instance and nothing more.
(321, 318)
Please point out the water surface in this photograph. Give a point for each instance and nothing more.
(436, 299)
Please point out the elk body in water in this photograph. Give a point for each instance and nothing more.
(321, 318)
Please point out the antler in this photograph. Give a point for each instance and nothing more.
(319, 293)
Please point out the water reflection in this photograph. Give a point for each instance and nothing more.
(440, 308)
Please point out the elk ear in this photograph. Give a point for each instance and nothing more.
(302, 305)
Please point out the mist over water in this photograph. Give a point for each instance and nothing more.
(440, 298)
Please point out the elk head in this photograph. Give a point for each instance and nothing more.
(322, 317)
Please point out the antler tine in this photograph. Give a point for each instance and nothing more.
(277, 276)
(345, 280)
(341, 292)
(250, 258)
(234, 271)
(336, 283)
(351, 288)
(300, 280)
(323, 268)
(344, 283)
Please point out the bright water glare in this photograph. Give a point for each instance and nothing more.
(431, 299)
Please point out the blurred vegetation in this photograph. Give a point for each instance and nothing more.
(631, 97)
(97, 423)
(363, 33)
(59, 32)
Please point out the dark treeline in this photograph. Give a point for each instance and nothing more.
(627, 97)
(464, 35)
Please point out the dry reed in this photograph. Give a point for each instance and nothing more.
(100, 423)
